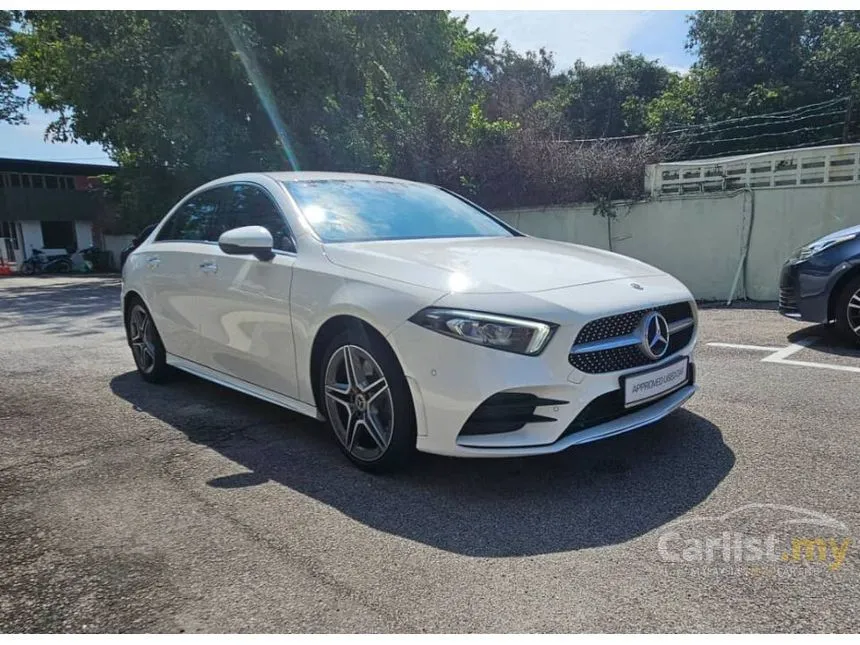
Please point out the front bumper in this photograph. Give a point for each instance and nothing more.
(450, 379)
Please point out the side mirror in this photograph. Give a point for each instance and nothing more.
(247, 240)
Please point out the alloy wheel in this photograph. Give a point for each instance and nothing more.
(853, 313)
(141, 334)
(359, 403)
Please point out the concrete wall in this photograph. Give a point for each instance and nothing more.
(787, 218)
(31, 232)
(700, 238)
(84, 233)
(114, 244)
(568, 223)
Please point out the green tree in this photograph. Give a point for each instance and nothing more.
(752, 63)
(178, 98)
(10, 103)
(610, 100)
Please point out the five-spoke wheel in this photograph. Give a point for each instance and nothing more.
(367, 402)
(140, 331)
(358, 402)
(145, 343)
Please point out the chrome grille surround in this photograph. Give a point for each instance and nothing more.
(612, 344)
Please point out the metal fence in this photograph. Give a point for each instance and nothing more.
(839, 164)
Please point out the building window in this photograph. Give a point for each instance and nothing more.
(51, 182)
(14, 179)
(37, 181)
(25, 181)
(58, 235)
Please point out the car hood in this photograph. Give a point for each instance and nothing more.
(851, 230)
(487, 265)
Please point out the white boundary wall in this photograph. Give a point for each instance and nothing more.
(700, 238)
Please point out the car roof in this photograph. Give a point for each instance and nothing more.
(313, 175)
(303, 175)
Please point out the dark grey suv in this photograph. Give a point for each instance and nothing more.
(820, 282)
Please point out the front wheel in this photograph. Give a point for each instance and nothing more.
(28, 268)
(367, 401)
(848, 311)
(63, 266)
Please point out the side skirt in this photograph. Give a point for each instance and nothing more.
(243, 386)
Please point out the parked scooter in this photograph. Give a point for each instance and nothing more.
(85, 260)
(39, 262)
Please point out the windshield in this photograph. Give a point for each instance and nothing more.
(359, 210)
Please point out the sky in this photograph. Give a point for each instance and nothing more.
(593, 36)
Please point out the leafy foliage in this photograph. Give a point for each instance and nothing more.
(10, 103)
(178, 98)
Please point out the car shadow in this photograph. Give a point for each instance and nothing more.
(594, 495)
(827, 339)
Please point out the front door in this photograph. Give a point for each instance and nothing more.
(246, 330)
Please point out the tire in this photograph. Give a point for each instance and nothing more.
(848, 311)
(369, 409)
(27, 268)
(63, 266)
(147, 349)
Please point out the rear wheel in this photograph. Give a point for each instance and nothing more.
(28, 268)
(146, 346)
(367, 401)
(848, 311)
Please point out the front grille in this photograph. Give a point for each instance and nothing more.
(507, 412)
(629, 356)
(610, 406)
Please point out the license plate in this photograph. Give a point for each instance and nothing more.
(645, 386)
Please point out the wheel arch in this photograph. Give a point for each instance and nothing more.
(836, 290)
(128, 298)
(326, 332)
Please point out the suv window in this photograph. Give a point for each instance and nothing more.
(195, 220)
(248, 205)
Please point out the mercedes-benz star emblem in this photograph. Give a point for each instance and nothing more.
(655, 335)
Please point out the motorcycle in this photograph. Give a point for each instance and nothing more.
(39, 262)
(86, 260)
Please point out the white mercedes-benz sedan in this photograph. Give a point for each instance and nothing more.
(406, 318)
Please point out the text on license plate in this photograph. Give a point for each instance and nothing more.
(651, 384)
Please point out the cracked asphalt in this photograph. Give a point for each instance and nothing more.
(129, 507)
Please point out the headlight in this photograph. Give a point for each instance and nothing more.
(807, 251)
(508, 334)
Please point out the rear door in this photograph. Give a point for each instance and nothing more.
(246, 330)
(172, 267)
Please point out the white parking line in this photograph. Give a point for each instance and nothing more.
(785, 352)
(756, 348)
(780, 355)
(825, 366)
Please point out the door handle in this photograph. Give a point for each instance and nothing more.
(152, 261)
(209, 267)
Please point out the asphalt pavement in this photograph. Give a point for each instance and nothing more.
(130, 507)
